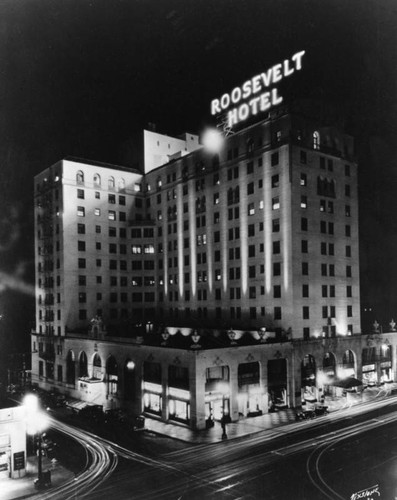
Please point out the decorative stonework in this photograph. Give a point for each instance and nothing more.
(218, 361)
(250, 357)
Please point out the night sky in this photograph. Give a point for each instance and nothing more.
(81, 77)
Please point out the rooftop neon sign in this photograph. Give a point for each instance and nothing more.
(251, 96)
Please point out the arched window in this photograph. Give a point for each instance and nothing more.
(97, 367)
(316, 140)
(70, 368)
(111, 182)
(121, 185)
(112, 375)
(83, 365)
(80, 177)
(97, 180)
(347, 364)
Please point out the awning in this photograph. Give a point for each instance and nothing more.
(347, 383)
(76, 404)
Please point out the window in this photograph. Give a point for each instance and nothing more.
(277, 291)
(251, 250)
(348, 251)
(348, 291)
(332, 270)
(252, 292)
(97, 180)
(305, 291)
(276, 225)
(303, 201)
(304, 246)
(250, 188)
(275, 203)
(303, 157)
(305, 312)
(347, 211)
(305, 268)
(216, 199)
(330, 228)
(80, 177)
(330, 165)
(274, 159)
(277, 313)
(97, 211)
(347, 230)
(330, 207)
(251, 209)
(276, 268)
(82, 263)
(82, 280)
(80, 194)
(349, 311)
(347, 190)
(323, 247)
(323, 227)
(347, 170)
(324, 291)
(323, 269)
(275, 181)
(111, 183)
(304, 224)
(323, 205)
(81, 228)
(81, 246)
(332, 291)
(112, 215)
(112, 199)
(80, 211)
(325, 311)
(348, 271)
(276, 247)
(303, 181)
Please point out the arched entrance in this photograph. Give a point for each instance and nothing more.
(308, 379)
(83, 365)
(97, 367)
(348, 365)
(329, 372)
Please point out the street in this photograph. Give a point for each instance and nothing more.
(332, 457)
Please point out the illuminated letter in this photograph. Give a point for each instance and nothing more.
(236, 95)
(232, 117)
(256, 86)
(275, 98)
(215, 107)
(243, 112)
(277, 76)
(287, 70)
(225, 101)
(298, 59)
(247, 89)
(265, 103)
(267, 77)
(254, 105)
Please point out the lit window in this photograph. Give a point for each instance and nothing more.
(80, 211)
(303, 180)
(138, 187)
(303, 201)
(275, 203)
(111, 183)
(112, 215)
(261, 205)
(80, 177)
(149, 249)
(135, 249)
(251, 209)
(97, 211)
(97, 180)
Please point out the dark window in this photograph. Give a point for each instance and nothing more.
(277, 313)
(305, 312)
(276, 247)
(276, 268)
(304, 224)
(305, 291)
(274, 159)
(303, 157)
(305, 268)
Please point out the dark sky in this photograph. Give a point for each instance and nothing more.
(80, 77)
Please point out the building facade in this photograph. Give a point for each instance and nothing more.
(256, 244)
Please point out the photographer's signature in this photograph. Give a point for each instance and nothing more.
(368, 494)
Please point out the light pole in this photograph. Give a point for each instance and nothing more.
(36, 424)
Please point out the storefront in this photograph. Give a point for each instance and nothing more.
(369, 375)
(250, 397)
(308, 380)
(179, 405)
(386, 373)
(152, 398)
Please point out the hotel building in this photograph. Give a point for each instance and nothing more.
(199, 283)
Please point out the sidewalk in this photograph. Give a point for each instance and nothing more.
(12, 489)
(247, 426)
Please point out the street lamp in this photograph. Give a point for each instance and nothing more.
(36, 424)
